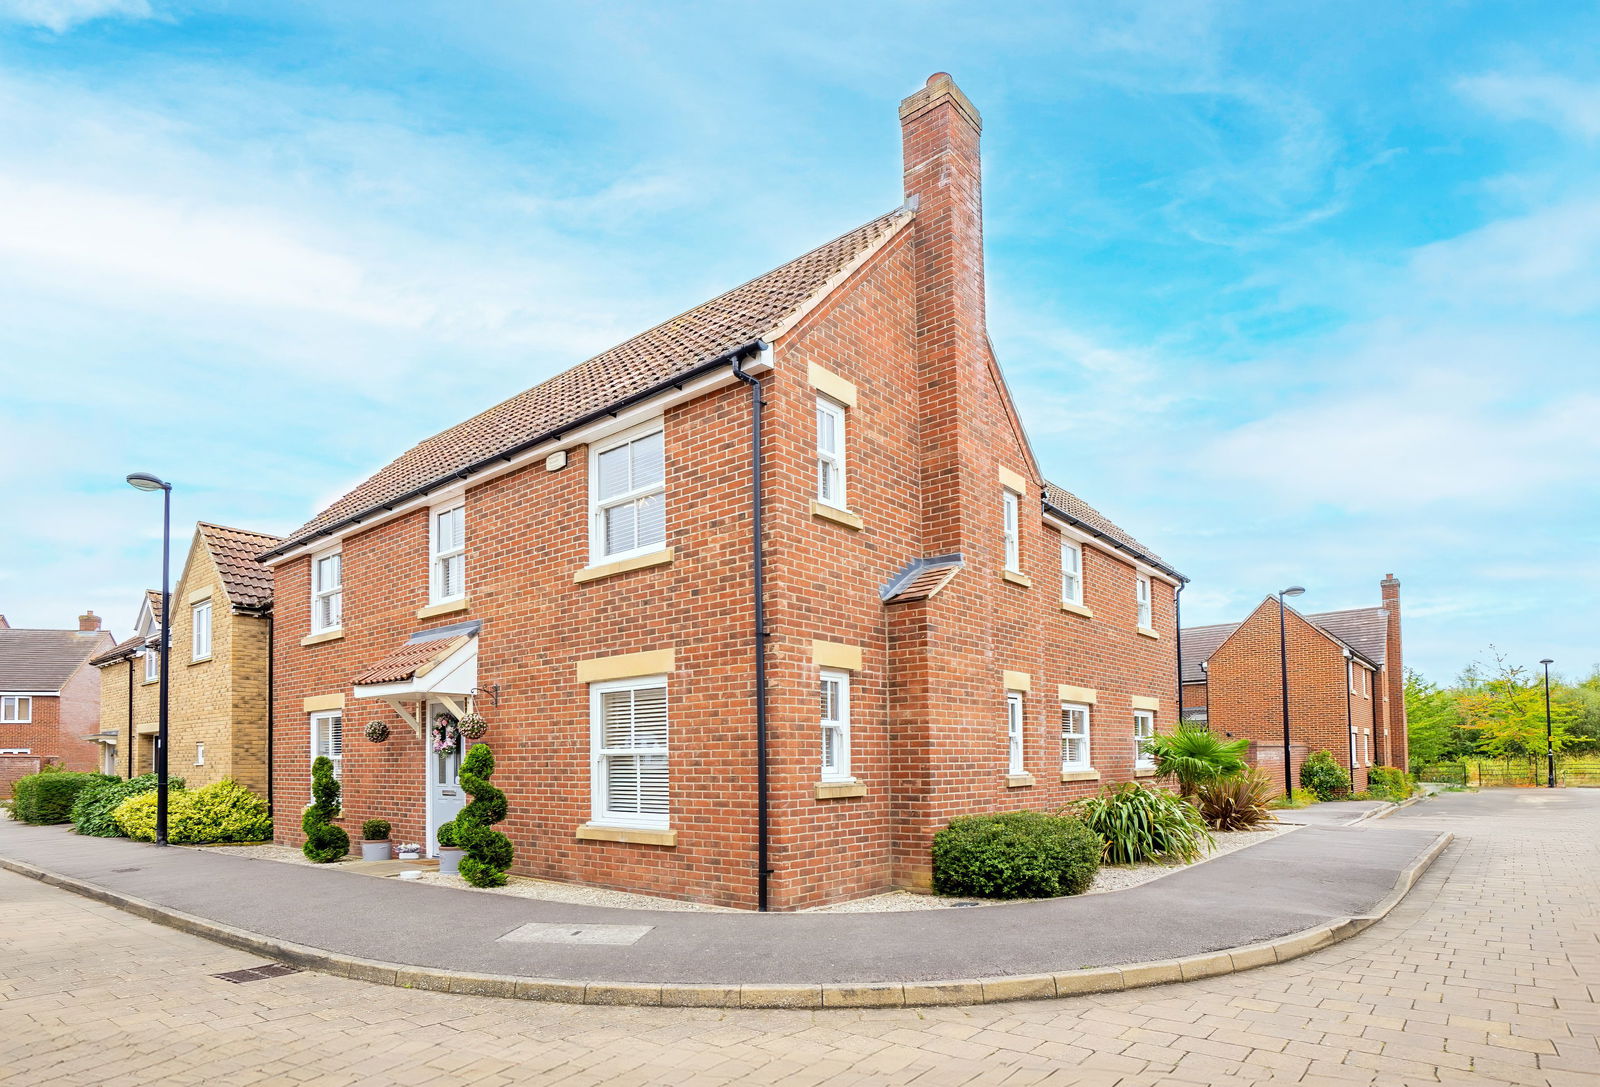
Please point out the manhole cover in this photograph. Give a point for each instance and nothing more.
(539, 932)
(258, 973)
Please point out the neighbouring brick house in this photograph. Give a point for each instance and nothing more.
(49, 698)
(945, 631)
(218, 675)
(1346, 684)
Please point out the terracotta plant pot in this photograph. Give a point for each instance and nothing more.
(450, 860)
(376, 851)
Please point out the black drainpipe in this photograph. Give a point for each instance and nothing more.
(1349, 720)
(1177, 636)
(758, 590)
(130, 716)
(270, 647)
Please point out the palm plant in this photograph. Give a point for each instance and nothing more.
(1238, 802)
(1194, 755)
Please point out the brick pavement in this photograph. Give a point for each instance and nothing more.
(1488, 973)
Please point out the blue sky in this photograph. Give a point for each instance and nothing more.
(1298, 293)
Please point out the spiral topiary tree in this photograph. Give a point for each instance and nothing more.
(489, 852)
(324, 841)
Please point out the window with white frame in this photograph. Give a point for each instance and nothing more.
(1141, 594)
(199, 754)
(1074, 736)
(835, 726)
(1366, 683)
(627, 487)
(1014, 719)
(1354, 675)
(1366, 747)
(15, 709)
(448, 580)
(152, 664)
(1144, 730)
(327, 591)
(327, 738)
(1012, 503)
(629, 737)
(830, 453)
(1071, 572)
(200, 633)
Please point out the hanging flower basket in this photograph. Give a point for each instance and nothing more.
(472, 726)
(445, 732)
(377, 731)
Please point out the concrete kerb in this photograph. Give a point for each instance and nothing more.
(862, 995)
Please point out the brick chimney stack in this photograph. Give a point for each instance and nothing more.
(1395, 734)
(939, 130)
(88, 621)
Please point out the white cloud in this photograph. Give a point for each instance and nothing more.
(62, 15)
(1550, 99)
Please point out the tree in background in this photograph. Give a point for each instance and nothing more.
(1437, 730)
(1506, 713)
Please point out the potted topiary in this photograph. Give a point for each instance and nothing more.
(375, 840)
(450, 853)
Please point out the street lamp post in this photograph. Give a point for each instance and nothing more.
(1549, 741)
(1283, 665)
(144, 481)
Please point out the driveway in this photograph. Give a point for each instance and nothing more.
(1488, 973)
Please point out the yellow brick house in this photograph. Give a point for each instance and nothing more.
(219, 671)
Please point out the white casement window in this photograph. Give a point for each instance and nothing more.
(1013, 540)
(152, 665)
(200, 634)
(1141, 594)
(628, 500)
(1366, 683)
(1014, 719)
(1074, 736)
(830, 453)
(1144, 729)
(199, 754)
(1071, 572)
(327, 592)
(1366, 747)
(15, 709)
(448, 543)
(629, 736)
(327, 738)
(835, 726)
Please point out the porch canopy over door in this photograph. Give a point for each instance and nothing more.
(439, 664)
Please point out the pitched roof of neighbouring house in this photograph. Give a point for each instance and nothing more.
(152, 597)
(118, 652)
(1363, 629)
(670, 350)
(236, 551)
(42, 660)
(1076, 509)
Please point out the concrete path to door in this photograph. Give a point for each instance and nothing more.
(1213, 918)
(1337, 813)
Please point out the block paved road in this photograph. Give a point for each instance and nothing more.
(1488, 973)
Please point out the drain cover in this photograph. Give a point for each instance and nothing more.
(258, 973)
(538, 932)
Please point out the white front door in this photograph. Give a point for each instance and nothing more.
(445, 795)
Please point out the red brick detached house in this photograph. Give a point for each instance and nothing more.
(50, 697)
(939, 630)
(1346, 684)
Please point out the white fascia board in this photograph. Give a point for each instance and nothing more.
(1072, 532)
(629, 417)
(31, 694)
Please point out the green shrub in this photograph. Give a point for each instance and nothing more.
(1300, 798)
(1194, 755)
(220, 812)
(47, 797)
(1141, 824)
(1241, 801)
(1019, 854)
(1324, 777)
(1390, 783)
(324, 841)
(489, 852)
(375, 830)
(93, 812)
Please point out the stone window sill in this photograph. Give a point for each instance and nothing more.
(1148, 633)
(1078, 609)
(836, 515)
(1018, 781)
(833, 790)
(1080, 775)
(445, 607)
(623, 566)
(1016, 578)
(321, 636)
(1144, 771)
(590, 832)
(201, 660)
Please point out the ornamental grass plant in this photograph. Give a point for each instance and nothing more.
(1141, 824)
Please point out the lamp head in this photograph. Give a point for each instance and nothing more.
(144, 481)
(1547, 662)
(1293, 590)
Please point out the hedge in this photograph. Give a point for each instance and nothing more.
(1019, 854)
(94, 810)
(47, 797)
(220, 812)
